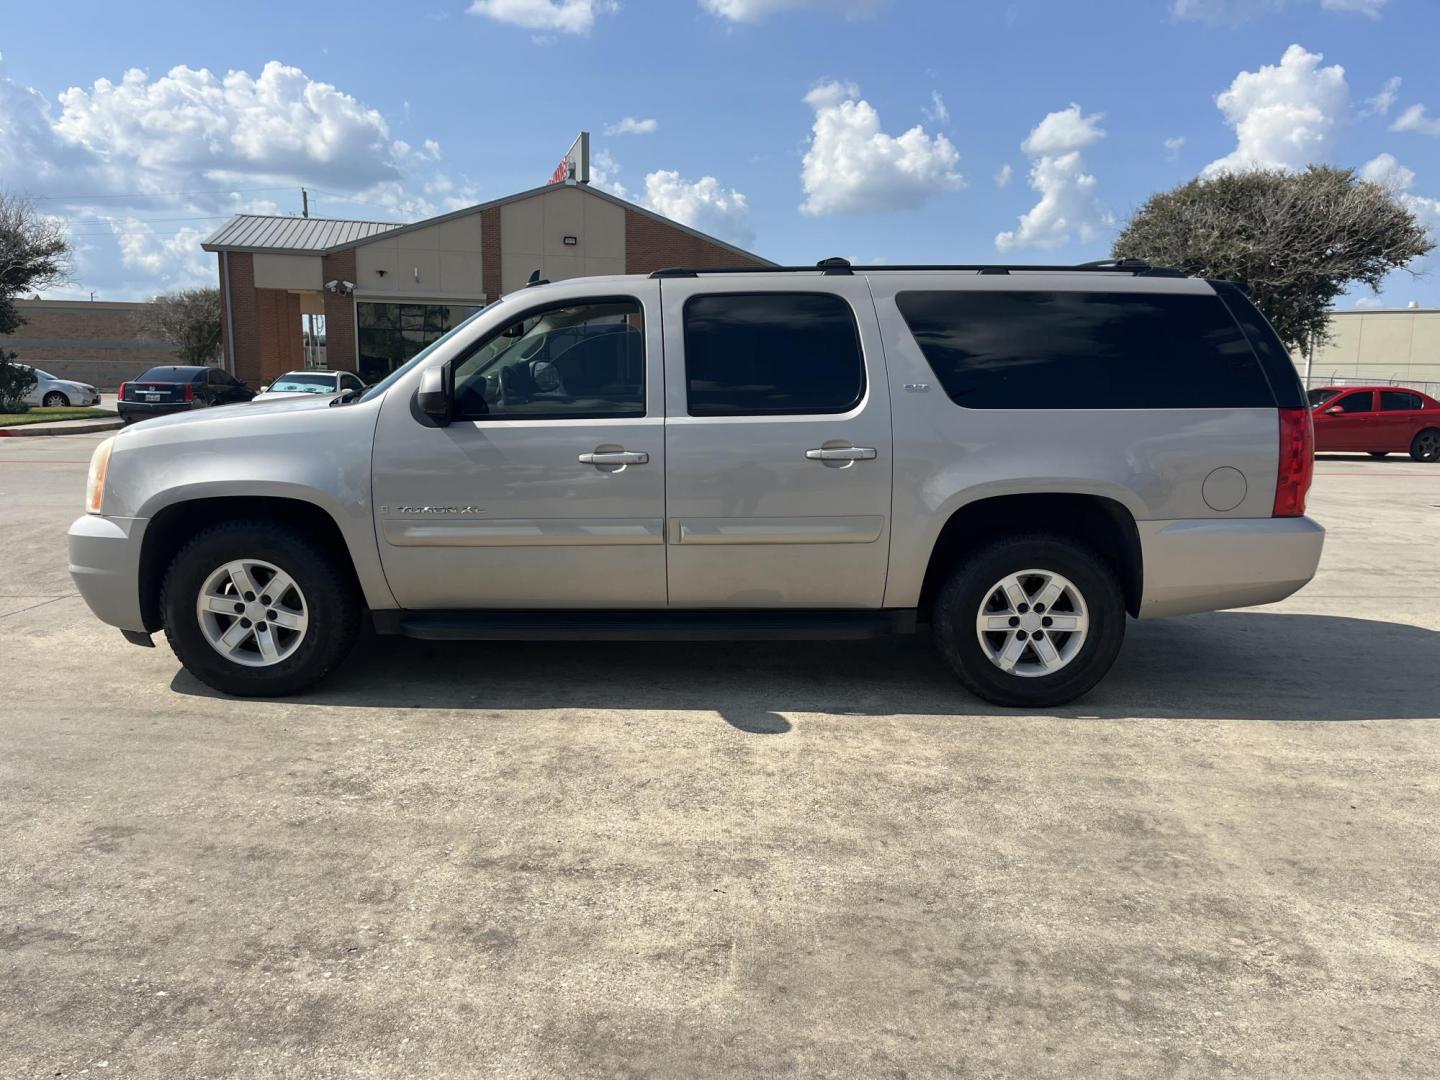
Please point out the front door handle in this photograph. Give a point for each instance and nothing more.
(841, 453)
(615, 457)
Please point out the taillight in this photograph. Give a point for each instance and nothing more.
(120, 394)
(1297, 462)
(189, 391)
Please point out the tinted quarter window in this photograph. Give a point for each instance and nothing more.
(1085, 350)
(1356, 402)
(1284, 380)
(766, 354)
(1394, 400)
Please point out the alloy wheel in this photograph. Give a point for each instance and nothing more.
(252, 613)
(1032, 623)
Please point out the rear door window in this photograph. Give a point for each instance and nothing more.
(1396, 400)
(769, 354)
(1085, 350)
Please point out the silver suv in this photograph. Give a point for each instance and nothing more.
(1016, 456)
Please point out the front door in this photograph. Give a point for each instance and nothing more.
(547, 489)
(1345, 422)
(777, 443)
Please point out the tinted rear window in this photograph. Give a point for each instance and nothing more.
(753, 354)
(1391, 400)
(1085, 350)
(173, 374)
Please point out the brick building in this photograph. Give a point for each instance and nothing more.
(94, 341)
(385, 291)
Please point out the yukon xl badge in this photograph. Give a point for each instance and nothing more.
(432, 509)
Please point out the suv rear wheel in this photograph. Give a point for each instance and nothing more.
(1031, 621)
(1426, 445)
(255, 608)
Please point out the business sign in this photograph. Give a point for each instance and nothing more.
(575, 165)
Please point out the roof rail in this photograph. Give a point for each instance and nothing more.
(1135, 267)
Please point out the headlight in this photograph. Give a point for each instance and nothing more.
(95, 481)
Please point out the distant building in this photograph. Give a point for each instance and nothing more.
(94, 341)
(385, 291)
(1400, 346)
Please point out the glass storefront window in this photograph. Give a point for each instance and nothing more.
(391, 334)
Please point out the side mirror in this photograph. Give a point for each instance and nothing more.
(434, 396)
(1334, 410)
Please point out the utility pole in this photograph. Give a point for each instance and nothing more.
(312, 346)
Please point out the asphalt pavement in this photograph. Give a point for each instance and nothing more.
(731, 861)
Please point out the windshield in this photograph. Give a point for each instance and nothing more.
(1319, 397)
(43, 374)
(384, 384)
(304, 382)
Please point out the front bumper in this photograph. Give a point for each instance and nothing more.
(1208, 564)
(105, 563)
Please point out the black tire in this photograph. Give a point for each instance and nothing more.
(1378, 453)
(55, 400)
(961, 597)
(1426, 445)
(334, 608)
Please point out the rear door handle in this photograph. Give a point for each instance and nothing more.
(616, 457)
(841, 453)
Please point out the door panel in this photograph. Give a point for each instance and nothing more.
(1397, 420)
(1349, 429)
(753, 521)
(502, 513)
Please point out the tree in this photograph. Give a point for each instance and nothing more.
(189, 320)
(34, 254)
(1297, 239)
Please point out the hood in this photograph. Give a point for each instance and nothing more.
(221, 415)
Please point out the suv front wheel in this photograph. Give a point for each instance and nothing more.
(255, 608)
(1031, 621)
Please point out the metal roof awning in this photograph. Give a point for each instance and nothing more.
(292, 235)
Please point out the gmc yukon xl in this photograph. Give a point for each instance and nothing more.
(1018, 457)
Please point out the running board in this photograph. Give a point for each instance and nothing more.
(807, 625)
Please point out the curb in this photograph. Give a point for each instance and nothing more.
(81, 427)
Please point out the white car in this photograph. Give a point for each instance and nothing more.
(310, 382)
(52, 391)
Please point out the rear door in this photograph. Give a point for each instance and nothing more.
(777, 443)
(1397, 420)
(1345, 423)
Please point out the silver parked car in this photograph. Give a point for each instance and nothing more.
(310, 382)
(1019, 457)
(51, 391)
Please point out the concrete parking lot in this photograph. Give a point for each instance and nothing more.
(649, 860)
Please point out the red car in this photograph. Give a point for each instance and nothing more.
(1376, 420)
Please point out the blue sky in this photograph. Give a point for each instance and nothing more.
(876, 129)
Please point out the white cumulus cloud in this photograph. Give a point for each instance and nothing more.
(564, 16)
(1415, 119)
(1173, 146)
(702, 204)
(1284, 115)
(142, 168)
(1068, 209)
(631, 126)
(754, 10)
(1384, 101)
(853, 167)
(1003, 175)
(1386, 171)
